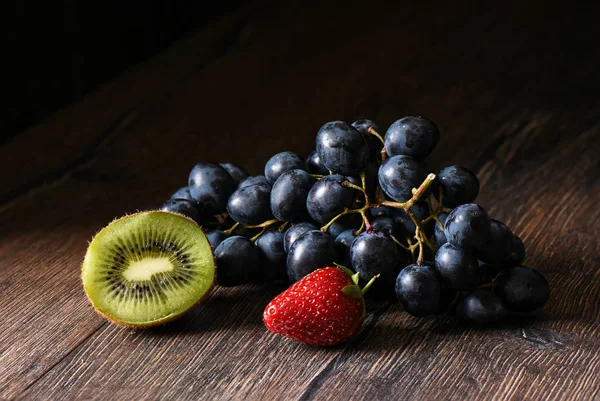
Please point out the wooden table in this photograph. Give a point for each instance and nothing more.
(515, 91)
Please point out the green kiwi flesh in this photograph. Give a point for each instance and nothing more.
(148, 268)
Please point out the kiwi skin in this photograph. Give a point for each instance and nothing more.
(166, 319)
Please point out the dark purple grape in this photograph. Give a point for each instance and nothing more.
(373, 142)
(516, 251)
(497, 245)
(238, 261)
(314, 165)
(253, 180)
(522, 289)
(182, 206)
(236, 172)
(374, 253)
(294, 232)
(341, 148)
(438, 231)
(459, 186)
(210, 185)
(412, 136)
(347, 222)
(488, 271)
(282, 162)
(467, 226)
(457, 267)
(343, 242)
(215, 237)
(482, 306)
(311, 251)
(251, 205)
(419, 289)
(328, 198)
(272, 255)
(398, 175)
(288, 197)
(183, 193)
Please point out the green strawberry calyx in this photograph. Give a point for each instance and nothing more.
(353, 290)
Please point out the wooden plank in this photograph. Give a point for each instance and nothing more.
(533, 140)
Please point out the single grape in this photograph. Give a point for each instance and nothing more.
(419, 289)
(328, 198)
(459, 186)
(215, 237)
(341, 148)
(482, 306)
(457, 267)
(384, 224)
(398, 175)
(272, 255)
(373, 142)
(438, 231)
(522, 289)
(412, 136)
(183, 193)
(238, 261)
(236, 172)
(342, 247)
(497, 244)
(314, 165)
(488, 271)
(250, 205)
(210, 185)
(294, 232)
(311, 251)
(347, 222)
(374, 253)
(516, 251)
(288, 197)
(467, 226)
(282, 162)
(253, 180)
(182, 206)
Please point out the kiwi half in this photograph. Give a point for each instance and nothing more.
(148, 268)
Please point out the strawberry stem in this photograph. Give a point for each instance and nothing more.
(369, 284)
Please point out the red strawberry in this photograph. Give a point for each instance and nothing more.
(325, 307)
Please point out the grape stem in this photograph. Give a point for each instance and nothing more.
(374, 132)
(417, 193)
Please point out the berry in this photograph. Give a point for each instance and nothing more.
(236, 172)
(419, 289)
(282, 162)
(341, 148)
(292, 233)
(522, 289)
(238, 261)
(482, 306)
(438, 231)
(210, 185)
(215, 237)
(272, 255)
(467, 226)
(459, 186)
(328, 198)
(398, 175)
(411, 136)
(255, 179)
(324, 308)
(373, 142)
(314, 165)
(250, 205)
(457, 267)
(289, 194)
(182, 193)
(311, 251)
(182, 206)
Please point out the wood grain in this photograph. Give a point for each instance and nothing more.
(515, 95)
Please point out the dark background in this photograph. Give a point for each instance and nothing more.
(56, 52)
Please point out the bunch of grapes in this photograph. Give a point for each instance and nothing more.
(368, 203)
